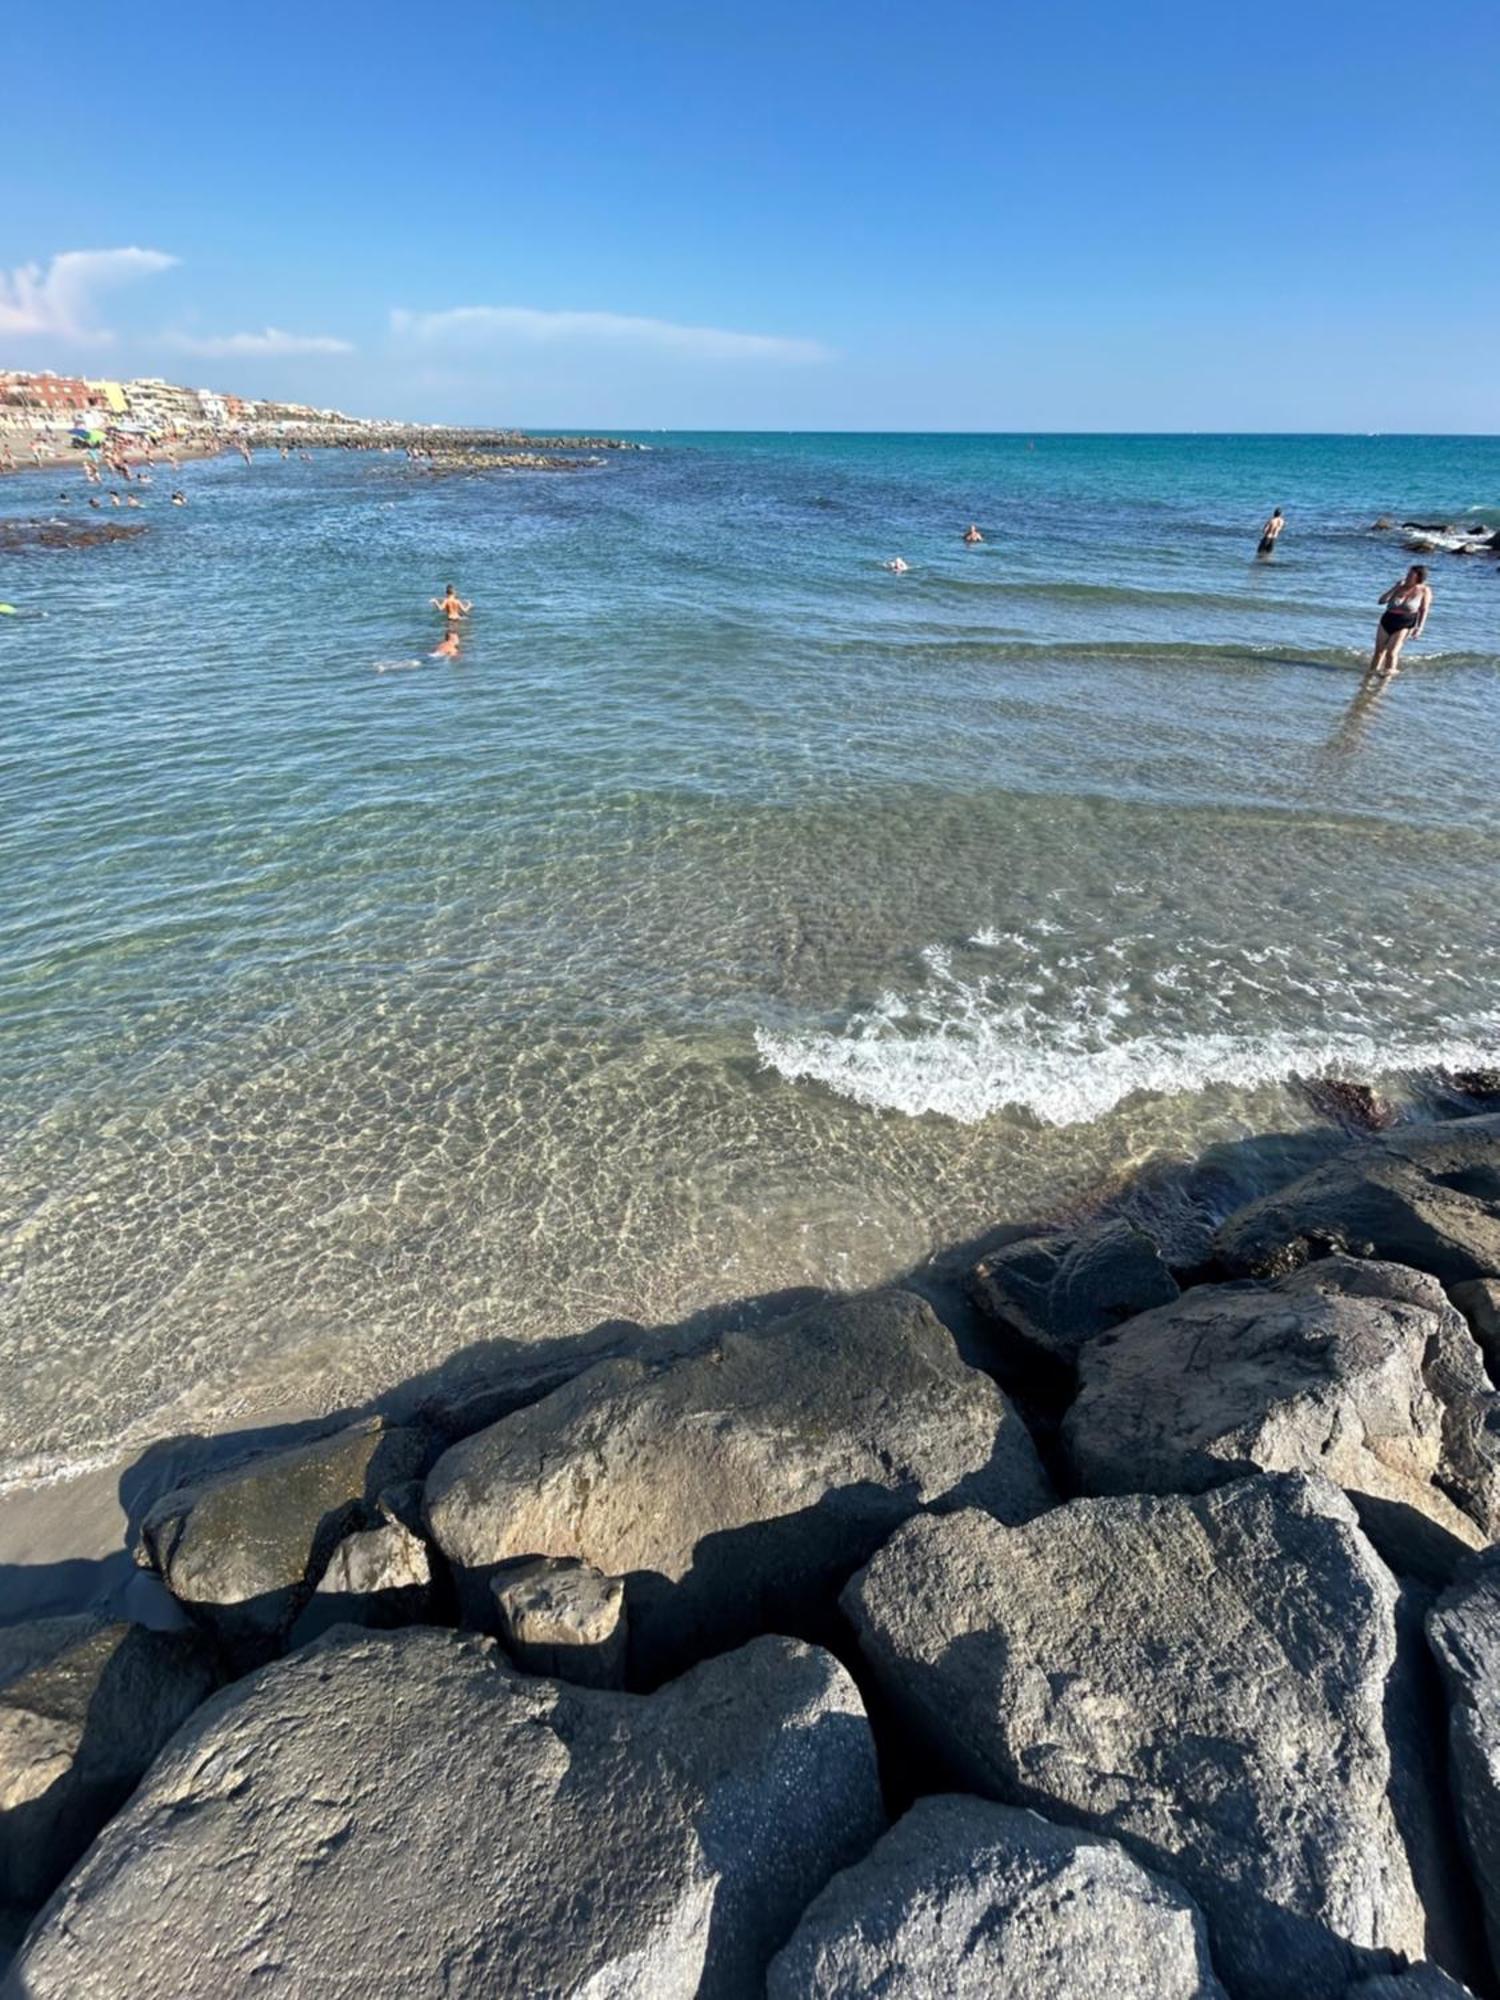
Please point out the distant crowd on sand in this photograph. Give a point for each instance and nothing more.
(1407, 602)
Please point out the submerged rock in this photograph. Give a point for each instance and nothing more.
(85, 1704)
(401, 1813)
(1361, 1371)
(559, 1616)
(1464, 1628)
(1203, 1679)
(963, 1896)
(1056, 1293)
(736, 1488)
(241, 1551)
(1424, 1196)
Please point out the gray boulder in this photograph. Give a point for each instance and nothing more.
(1053, 1294)
(1464, 1628)
(401, 1813)
(1361, 1371)
(85, 1704)
(379, 1577)
(735, 1489)
(966, 1897)
(559, 1616)
(1202, 1678)
(1478, 1299)
(242, 1551)
(1427, 1196)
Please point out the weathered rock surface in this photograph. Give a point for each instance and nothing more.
(401, 1813)
(1427, 1196)
(1420, 1982)
(242, 1551)
(1201, 1678)
(966, 1897)
(559, 1616)
(1478, 1299)
(379, 1577)
(85, 1705)
(735, 1489)
(1361, 1371)
(1056, 1293)
(1464, 1628)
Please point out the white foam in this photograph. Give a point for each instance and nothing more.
(966, 1050)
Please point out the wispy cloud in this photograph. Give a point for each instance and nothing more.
(494, 325)
(271, 340)
(59, 301)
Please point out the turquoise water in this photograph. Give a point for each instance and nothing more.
(732, 914)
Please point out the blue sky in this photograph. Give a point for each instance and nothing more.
(981, 217)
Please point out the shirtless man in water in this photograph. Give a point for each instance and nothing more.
(452, 605)
(447, 647)
(972, 534)
(1269, 533)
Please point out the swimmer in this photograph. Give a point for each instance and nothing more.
(972, 535)
(897, 566)
(132, 501)
(179, 499)
(1270, 533)
(447, 648)
(1407, 605)
(114, 499)
(451, 604)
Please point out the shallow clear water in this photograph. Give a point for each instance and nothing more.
(732, 914)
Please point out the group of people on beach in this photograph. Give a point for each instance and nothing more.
(1407, 603)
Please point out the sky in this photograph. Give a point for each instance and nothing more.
(812, 216)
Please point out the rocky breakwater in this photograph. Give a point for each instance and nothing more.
(1148, 1643)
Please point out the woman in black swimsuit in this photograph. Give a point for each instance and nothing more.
(1406, 607)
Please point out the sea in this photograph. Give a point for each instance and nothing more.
(732, 914)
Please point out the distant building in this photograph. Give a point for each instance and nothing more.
(109, 396)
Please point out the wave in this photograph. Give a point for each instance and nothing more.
(963, 1050)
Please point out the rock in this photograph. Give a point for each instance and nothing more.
(520, 1375)
(85, 1704)
(1355, 1370)
(1383, 525)
(241, 1550)
(1419, 1982)
(1203, 1679)
(1056, 1293)
(1464, 1628)
(559, 1616)
(736, 1488)
(963, 1896)
(529, 1838)
(1424, 1196)
(1478, 1299)
(1355, 1106)
(379, 1577)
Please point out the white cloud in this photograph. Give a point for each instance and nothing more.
(270, 341)
(484, 325)
(59, 301)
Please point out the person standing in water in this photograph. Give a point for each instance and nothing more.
(1270, 534)
(452, 606)
(1407, 604)
(447, 647)
(972, 534)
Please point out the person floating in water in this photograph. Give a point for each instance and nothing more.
(972, 534)
(1270, 533)
(1407, 604)
(897, 564)
(179, 499)
(451, 605)
(447, 646)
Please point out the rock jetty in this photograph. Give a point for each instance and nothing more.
(805, 1659)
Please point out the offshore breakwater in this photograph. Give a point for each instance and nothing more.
(704, 1660)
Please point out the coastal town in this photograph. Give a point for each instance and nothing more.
(44, 415)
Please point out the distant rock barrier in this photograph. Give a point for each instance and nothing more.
(1143, 1641)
